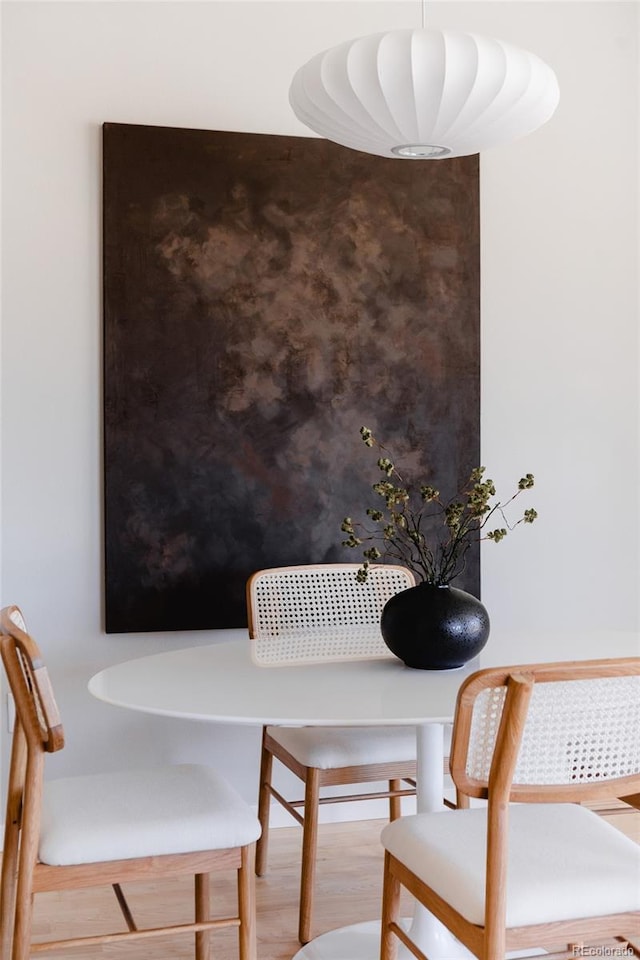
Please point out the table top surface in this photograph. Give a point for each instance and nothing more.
(222, 682)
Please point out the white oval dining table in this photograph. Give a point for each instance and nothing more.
(221, 682)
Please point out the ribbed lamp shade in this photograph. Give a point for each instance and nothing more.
(424, 94)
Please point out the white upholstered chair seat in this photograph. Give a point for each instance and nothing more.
(565, 862)
(329, 748)
(140, 813)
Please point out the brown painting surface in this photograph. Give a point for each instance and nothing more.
(266, 296)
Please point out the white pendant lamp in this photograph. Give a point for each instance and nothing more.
(424, 94)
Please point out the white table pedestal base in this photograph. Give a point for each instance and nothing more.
(362, 942)
(358, 942)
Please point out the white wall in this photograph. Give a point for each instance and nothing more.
(559, 309)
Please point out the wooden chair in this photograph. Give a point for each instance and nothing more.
(544, 872)
(107, 829)
(316, 613)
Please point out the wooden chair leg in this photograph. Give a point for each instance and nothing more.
(21, 947)
(203, 937)
(309, 847)
(8, 894)
(390, 910)
(8, 886)
(27, 861)
(395, 803)
(8, 881)
(264, 803)
(247, 904)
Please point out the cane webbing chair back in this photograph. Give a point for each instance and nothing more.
(535, 868)
(320, 612)
(582, 729)
(109, 828)
(30, 685)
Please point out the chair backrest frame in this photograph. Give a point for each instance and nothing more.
(313, 613)
(578, 785)
(37, 712)
(314, 594)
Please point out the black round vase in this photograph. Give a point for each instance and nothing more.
(433, 627)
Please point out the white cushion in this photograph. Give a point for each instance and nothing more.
(140, 813)
(564, 862)
(329, 748)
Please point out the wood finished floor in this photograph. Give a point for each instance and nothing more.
(349, 879)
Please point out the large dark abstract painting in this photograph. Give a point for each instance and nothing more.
(265, 297)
